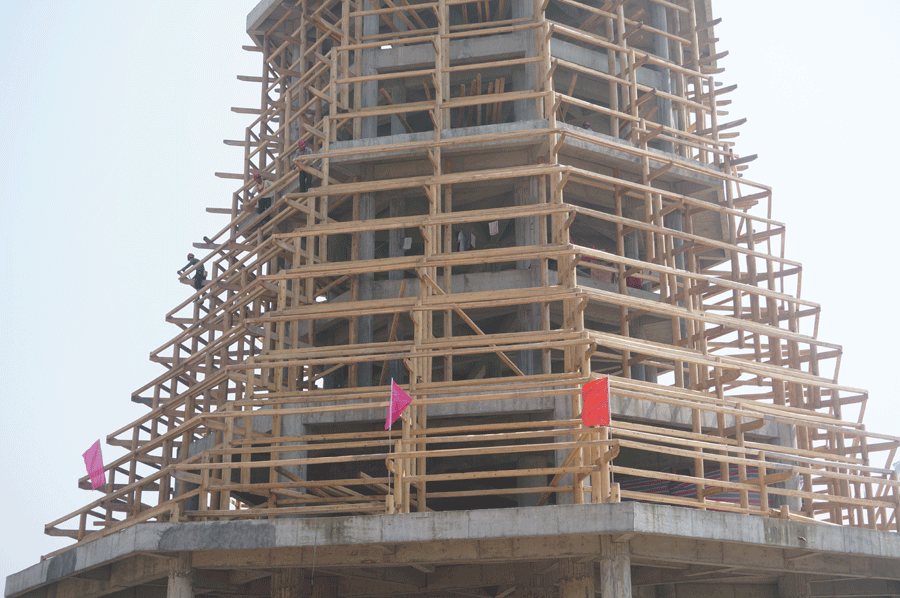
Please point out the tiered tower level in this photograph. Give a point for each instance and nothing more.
(510, 198)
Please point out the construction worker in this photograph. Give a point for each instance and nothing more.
(263, 202)
(586, 126)
(199, 275)
(305, 177)
(462, 241)
(191, 261)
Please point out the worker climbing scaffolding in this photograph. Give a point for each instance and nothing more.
(305, 177)
(199, 275)
(263, 198)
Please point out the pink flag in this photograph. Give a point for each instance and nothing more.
(399, 401)
(596, 403)
(93, 460)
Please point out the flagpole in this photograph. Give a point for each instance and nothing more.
(403, 401)
(390, 437)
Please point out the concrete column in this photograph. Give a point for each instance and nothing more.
(535, 481)
(396, 237)
(674, 221)
(638, 371)
(181, 577)
(525, 193)
(524, 79)
(294, 132)
(293, 425)
(661, 48)
(325, 587)
(365, 330)
(531, 582)
(369, 89)
(576, 579)
(398, 96)
(399, 25)
(194, 448)
(667, 591)
(562, 409)
(631, 246)
(787, 437)
(529, 361)
(296, 54)
(288, 583)
(528, 233)
(632, 252)
(793, 585)
(398, 92)
(615, 569)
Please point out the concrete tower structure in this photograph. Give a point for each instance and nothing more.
(503, 201)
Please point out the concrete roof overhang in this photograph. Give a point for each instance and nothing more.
(421, 543)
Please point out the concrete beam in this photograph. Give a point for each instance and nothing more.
(260, 13)
(854, 588)
(418, 56)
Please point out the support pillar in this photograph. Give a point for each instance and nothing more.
(787, 436)
(532, 481)
(398, 91)
(298, 63)
(667, 591)
(615, 569)
(398, 96)
(525, 79)
(661, 48)
(365, 330)
(638, 371)
(325, 587)
(369, 89)
(632, 252)
(562, 409)
(525, 193)
(288, 583)
(793, 585)
(181, 577)
(293, 425)
(396, 237)
(533, 582)
(576, 579)
(527, 230)
(675, 221)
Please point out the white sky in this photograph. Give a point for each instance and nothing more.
(113, 115)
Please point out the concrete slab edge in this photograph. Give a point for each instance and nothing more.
(618, 518)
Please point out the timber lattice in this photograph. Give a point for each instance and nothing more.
(634, 249)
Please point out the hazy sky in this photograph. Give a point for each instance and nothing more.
(113, 115)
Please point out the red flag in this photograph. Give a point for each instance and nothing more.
(93, 460)
(399, 401)
(595, 395)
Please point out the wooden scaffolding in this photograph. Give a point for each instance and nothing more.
(509, 199)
